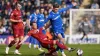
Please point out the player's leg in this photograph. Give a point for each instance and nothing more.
(15, 33)
(62, 40)
(62, 46)
(39, 47)
(20, 38)
(84, 33)
(17, 46)
(30, 42)
(86, 37)
(35, 43)
(10, 45)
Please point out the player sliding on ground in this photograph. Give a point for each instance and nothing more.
(43, 39)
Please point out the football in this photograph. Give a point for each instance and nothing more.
(79, 52)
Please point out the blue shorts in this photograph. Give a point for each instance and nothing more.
(56, 34)
(59, 31)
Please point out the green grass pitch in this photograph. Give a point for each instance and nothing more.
(88, 49)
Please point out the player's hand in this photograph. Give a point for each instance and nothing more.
(20, 21)
(74, 3)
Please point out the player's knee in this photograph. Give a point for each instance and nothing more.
(60, 36)
(21, 38)
(16, 39)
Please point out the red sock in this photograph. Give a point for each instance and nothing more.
(62, 46)
(18, 46)
(11, 43)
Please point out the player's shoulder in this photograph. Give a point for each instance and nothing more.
(32, 15)
(39, 15)
(13, 12)
(51, 12)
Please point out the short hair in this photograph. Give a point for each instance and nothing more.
(55, 6)
(41, 8)
(16, 3)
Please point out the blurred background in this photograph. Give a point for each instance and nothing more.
(91, 48)
(28, 7)
(89, 17)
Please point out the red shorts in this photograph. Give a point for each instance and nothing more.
(18, 32)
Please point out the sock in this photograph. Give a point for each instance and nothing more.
(30, 44)
(34, 45)
(62, 51)
(39, 45)
(12, 43)
(61, 46)
(18, 46)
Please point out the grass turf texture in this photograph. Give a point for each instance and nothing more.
(88, 49)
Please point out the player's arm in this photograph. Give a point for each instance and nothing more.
(68, 7)
(47, 23)
(28, 21)
(48, 18)
(13, 16)
(12, 20)
(29, 34)
(24, 39)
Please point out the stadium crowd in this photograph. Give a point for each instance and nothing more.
(29, 6)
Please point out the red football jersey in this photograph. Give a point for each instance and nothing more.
(16, 15)
(37, 34)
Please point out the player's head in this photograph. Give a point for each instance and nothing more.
(85, 18)
(18, 6)
(42, 10)
(37, 11)
(55, 8)
(34, 25)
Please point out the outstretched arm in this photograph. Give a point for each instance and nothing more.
(67, 8)
(24, 39)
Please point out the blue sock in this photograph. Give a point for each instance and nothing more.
(39, 44)
(30, 40)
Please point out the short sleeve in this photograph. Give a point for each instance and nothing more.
(12, 15)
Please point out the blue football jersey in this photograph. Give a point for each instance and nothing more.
(33, 18)
(56, 20)
(40, 20)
